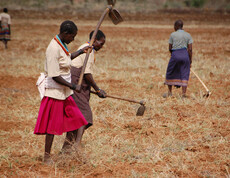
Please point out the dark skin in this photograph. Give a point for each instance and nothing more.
(98, 44)
(65, 38)
(179, 26)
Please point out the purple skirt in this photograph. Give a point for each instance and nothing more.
(178, 69)
(82, 98)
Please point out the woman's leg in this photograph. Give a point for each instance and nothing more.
(5, 43)
(184, 88)
(169, 90)
(69, 140)
(166, 95)
(48, 145)
(78, 136)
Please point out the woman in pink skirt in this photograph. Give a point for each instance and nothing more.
(58, 112)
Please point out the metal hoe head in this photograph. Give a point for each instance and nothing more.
(115, 16)
(207, 94)
(141, 109)
(113, 13)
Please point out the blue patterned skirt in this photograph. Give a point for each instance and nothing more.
(4, 32)
(178, 69)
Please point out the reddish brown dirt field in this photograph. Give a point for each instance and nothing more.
(175, 138)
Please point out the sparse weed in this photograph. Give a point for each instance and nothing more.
(175, 138)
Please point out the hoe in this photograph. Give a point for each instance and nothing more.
(141, 109)
(116, 18)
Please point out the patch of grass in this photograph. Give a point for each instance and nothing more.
(175, 138)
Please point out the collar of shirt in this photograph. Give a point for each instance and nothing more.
(62, 43)
(63, 46)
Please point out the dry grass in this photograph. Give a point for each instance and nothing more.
(175, 137)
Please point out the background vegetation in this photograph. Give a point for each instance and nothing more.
(133, 6)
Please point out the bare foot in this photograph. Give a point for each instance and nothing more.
(77, 147)
(66, 150)
(47, 159)
(184, 96)
(166, 95)
(79, 151)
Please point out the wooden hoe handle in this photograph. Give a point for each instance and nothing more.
(200, 81)
(78, 87)
(124, 99)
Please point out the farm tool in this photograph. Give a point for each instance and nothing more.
(116, 18)
(206, 88)
(140, 110)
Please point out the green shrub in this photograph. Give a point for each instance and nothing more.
(194, 3)
(198, 3)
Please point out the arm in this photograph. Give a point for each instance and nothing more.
(90, 80)
(79, 52)
(62, 81)
(170, 48)
(190, 52)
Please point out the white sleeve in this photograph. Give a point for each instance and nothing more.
(52, 61)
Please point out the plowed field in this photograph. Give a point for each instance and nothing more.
(175, 138)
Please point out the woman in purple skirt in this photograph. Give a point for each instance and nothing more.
(180, 47)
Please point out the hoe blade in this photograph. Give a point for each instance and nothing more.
(140, 111)
(115, 16)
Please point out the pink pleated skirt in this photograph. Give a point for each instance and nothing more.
(58, 116)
